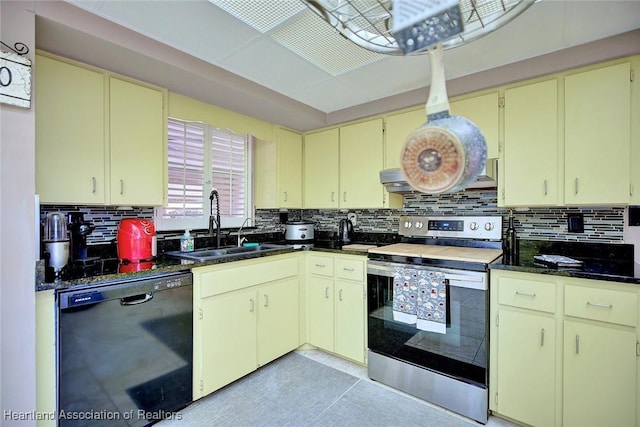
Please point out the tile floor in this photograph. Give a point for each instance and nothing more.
(296, 391)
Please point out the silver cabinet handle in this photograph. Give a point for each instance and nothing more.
(94, 184)
(321, 265)
(542, 338)
(333, 196)
(285, 196)
(340, 295)
(525, 294)
(266, 300)
(348, 269)
(121, 187)
(596, 305)
(326, 292)
(545, 187)
(577, 344)
(576, 186)
(344, 196)
(252, 305)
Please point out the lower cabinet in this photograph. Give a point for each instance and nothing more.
(564, 351)
(246, 314)
(336, 304)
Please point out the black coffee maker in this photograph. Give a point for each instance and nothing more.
(79, 229)
(345, 231)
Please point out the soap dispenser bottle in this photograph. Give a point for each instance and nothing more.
(510, 244)
(186, 242)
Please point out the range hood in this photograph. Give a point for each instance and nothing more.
(395, 182)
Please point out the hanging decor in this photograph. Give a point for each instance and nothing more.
(15, 76)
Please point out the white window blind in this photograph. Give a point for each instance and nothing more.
(202, 158)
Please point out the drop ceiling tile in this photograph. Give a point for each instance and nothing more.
(331, 95)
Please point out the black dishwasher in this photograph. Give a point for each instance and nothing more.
(125, 351)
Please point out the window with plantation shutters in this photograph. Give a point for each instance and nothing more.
(201, 158)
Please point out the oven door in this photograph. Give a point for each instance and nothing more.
(460, 352)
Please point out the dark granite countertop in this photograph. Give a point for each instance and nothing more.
(601, 261)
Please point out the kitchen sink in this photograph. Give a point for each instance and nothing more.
(210, 254)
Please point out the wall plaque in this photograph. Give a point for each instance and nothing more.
(15, 80)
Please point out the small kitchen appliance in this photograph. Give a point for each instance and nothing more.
(299, 232)
(345, 231)
(136, 240)
(79, 229)
(56, 242)
(428, 310)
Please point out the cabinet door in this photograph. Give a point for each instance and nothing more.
(361, 147)
(526, 367)
(320, 312)
(137, 144)
(349, 320)
(397, 129)
(483, 111)
(599, 376)
(321, 172)
(531, 145)
(70, 133)
(289, 169)
(598, 135)
(277, 319)
(229, 338)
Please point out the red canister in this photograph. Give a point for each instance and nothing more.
(136, 240)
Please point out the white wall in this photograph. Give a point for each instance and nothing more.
(17, 188)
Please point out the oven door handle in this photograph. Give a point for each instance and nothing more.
(472, 281)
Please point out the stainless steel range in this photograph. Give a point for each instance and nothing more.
(428, 308)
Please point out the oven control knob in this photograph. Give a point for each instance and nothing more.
(474, 226)
(419, 225)
(488, 226)
(407, 224)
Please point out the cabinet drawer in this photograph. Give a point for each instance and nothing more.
(349, 269)
(605, 305)
(321, 265)
(529, 294)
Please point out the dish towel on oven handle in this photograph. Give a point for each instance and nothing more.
(431, 308)
(406, 282)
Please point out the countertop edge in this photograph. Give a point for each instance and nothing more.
(565, 273)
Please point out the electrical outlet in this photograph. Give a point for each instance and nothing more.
(575, 223)
(353, 218)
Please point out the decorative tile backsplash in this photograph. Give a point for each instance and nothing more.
(600, 224)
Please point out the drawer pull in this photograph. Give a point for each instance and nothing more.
(321, 265)
(252, 306)
(348, 269)
(542, 338)
(333, 196)
(326, 292)
(340, 294)
(122, 187)
(93, 182)
(525, 294)
(545, 187)
(266, 300)
(595, 305)
(577, 344)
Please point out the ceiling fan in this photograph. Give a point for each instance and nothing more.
(402, 27)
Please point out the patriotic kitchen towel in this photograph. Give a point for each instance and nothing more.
(431, 305)
(406, 282)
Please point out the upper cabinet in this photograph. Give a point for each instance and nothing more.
(398, 128)
(597, 132)
(289, 161)
(99, 139)
(483, 111)
(568, 139)
(70, 133)
(321, 169)
(530, 158)
(137, 129)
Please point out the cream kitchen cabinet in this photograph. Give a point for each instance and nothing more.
(70, 133)
(321, 169)
(137, 144)
(289, 168)
(523, 386)
(483, 111)
(600, 355)
(336, 304)
(246, 314)
(597, 115)
(565, 351)
(397, 129)
(531, 174)
(46, 355)
(116, 127)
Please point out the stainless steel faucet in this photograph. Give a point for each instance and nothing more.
(216, 220)
(240, 238)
